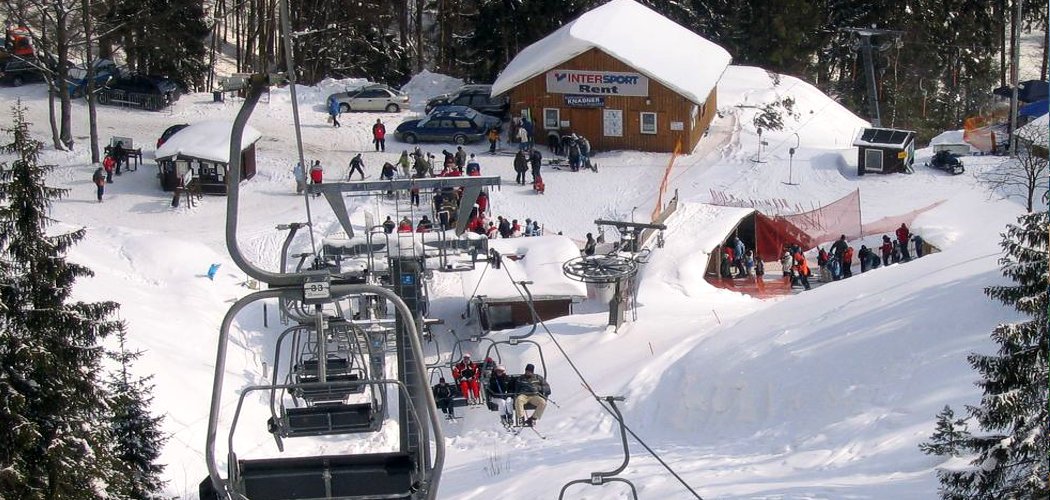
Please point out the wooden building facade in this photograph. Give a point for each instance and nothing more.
(656, 121)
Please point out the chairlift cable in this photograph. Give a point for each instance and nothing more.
(597, 398)
(289, 59)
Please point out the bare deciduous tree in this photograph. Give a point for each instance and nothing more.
(1025, 175)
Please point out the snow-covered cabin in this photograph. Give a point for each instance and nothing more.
(499, 304)
(621, 75)
(884, 150)
(204, 149)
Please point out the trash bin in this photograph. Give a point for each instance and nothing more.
(216, 96)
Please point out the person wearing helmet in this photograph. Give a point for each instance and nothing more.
(501, 394)
(466, 373)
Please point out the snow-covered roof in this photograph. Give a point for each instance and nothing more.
(537, 259)
(883, 137)
(637, 36)
(209, 140)
(1036, 130)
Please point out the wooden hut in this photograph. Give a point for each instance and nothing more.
(621, 75)
(201, 152)
(884, 150)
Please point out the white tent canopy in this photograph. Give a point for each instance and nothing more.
(637, 36)
(209, 140)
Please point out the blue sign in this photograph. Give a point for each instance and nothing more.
(585, 101)
(408, 280)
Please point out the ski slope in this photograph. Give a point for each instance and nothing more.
(824, 394)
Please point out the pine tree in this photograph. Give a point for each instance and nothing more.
(161, 37)
(137, 439)
(1011, 457)
(949, 437)
(51, 401)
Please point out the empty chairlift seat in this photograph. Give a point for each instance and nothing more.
(337, 370)
(328, 419)
(377, 475)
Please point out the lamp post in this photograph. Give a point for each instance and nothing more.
(758, 158)
(791, 161)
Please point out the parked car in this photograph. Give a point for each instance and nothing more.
(477, 97)
(458, 124)
(170, 131)
(104, 71)
(372, 97)
(147, 92)
(17, 71)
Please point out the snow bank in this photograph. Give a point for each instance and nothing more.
(426, 84)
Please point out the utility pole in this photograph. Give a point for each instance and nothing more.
(1015, 34)
(866, 47)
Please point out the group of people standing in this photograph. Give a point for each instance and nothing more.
(736, 255)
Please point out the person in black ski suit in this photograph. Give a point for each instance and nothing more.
(535, 160)
(520, 166)
(443, 393)
(501, 394)
(356, 165)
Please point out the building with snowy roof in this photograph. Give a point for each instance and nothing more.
(202, 152)
(621, 75)
(500, 304)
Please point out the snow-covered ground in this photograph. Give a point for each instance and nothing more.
(824, 394)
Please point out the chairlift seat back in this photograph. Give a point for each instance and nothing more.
(325, 420)
(376, 475)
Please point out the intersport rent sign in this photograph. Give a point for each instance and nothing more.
(567, 81)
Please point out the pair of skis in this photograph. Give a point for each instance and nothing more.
(516, 429)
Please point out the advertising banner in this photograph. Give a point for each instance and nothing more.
(584, 101)
(567, 81)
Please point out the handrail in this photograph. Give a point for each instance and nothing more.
(425, 398)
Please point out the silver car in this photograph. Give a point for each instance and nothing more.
(374, 97)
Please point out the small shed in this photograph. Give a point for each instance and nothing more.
(202, 150)
(885, 150)
(496, 300)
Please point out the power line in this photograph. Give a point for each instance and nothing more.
(587, 386)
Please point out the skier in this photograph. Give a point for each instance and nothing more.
(501, 393)
(918, 245)
(738, 257)
(300, 177)
(493, 136)
(388, 171)
(574, 156)
(585, 153)
(460, 157)
(424, 225)
(473, 167)
(388, 225)
(887, 250)
(333, 112)
(443, 394)
(902, 238)
(801, 269)
(535, 160)
(405, 226)
(588, 248)
(316, 174)
(466, 373)
(109, 163)
(865, 258)
(120, 155)
(356, 165)
(531, 389)
(379, 135)
(839, 246)
(504, 228)
(520, 166)
(99, 180)
(847, 262)
(406, 166)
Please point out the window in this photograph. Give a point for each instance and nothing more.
(551, 118)
(464, 124)
(648, 123)
(873, 160)
(462, 100)
(372, 94)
